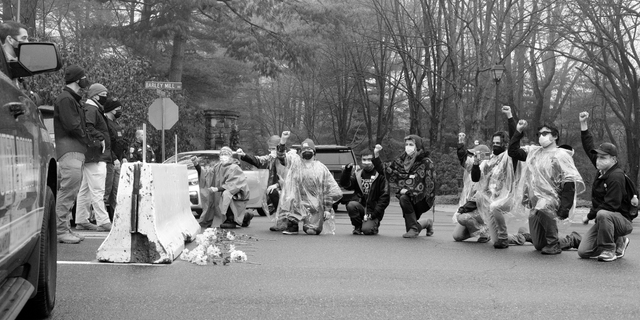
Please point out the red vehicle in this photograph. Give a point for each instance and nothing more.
(28, 184)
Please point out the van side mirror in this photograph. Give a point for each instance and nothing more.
(35, 58)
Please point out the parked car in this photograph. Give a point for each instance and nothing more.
(28, 184)
(257, 180)
(336, 157)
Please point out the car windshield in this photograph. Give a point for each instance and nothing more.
(205, 159)
(335, 157)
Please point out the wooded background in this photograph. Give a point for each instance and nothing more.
(359, 72)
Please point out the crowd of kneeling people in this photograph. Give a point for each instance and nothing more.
(532, 188)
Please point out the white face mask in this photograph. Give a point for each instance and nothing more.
(225, 159)
(544, 141)
(273, 153)
(409, 149)
(604, 164)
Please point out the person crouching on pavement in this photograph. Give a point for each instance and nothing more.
(277, 172)
(412, 175)
(468, 221)
(371, 187)
(548, 186)
(610, 202)
(224, 184)
(309, 190)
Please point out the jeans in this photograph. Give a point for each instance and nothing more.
(544, 231)
(469, 225)
(91, 193)
(412, 212)
(69, 179)
(609, 227)
(497, 226)
(356, 213)
(111, 188)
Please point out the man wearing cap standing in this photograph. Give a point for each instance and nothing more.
(309, 190)
(113, 111)
(72, 142)
(94, 173)
(610, 203)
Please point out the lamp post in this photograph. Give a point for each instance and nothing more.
(497, 71)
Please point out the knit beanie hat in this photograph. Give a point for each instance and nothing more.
(226, 151)
(416, 139)
(96, 89)
(308, 144)
(273, 141)
(111, 104)
(73, 73)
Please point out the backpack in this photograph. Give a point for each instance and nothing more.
(630, 186)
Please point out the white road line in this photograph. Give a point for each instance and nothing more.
(112, 264)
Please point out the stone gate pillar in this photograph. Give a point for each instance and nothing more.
(219, 124)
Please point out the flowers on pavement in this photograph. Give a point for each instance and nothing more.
(216, 246)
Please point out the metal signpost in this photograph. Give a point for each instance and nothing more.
(163, 112)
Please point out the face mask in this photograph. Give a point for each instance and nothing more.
(409, 149)
(367, 165)
(225, 159)
(604, 164)
(83, 83)
(307, 155)
(102, 100)
(498, 150)
(118, 114)
(273, 153)
(544, 141)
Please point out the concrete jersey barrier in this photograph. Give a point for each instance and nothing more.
(153, 218)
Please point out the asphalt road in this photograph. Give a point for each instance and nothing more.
(344, 276)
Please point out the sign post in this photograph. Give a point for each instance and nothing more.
(163, 112)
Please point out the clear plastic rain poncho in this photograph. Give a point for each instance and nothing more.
(473, 221)
(230, 177)
(543, 177)
(497, 190)
(309, 191)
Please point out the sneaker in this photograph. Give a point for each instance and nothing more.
(310, 230)
(247, 219)
(620, 250)
(555, 249)
(607, 256)
(412, 233)
(429, 227)
(77, 235)
(483, 238)
(525, 233)
(357, 230)
(501, 244)
(228, 224)
(292, 228)
(86, 226)
(68, 238)
(574, 239)
(104, 227)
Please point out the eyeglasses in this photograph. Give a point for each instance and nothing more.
(543, 133)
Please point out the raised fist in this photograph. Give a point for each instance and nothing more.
(239, 152)
(584, 116)
(349, 166)
(284, 136)
(507, 111)
(461, 137)
(522, 124)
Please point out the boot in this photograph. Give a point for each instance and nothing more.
(572, 241)
(247, 219)
(501, 244)
(412, 233)
(427, 224)
(551, 249)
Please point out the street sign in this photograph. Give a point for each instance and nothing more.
(163, 85)
(163, 113)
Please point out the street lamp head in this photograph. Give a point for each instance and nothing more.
(497, 71)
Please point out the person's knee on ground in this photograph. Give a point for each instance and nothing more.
(370, 227)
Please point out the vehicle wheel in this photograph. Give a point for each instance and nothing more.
(261, 212)
(42, 304)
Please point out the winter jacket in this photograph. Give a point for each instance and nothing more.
(419, 181)
(69, 123)
(97, 130)
(609, 189)
(377, 200)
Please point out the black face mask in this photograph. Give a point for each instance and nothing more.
(498, 150)
(102, 100)
(307, 155)
(83, 83)
(118, 114)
